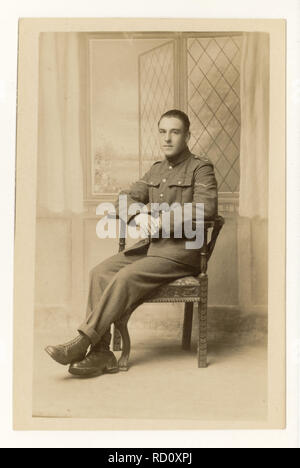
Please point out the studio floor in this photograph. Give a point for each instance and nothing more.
(163, 382)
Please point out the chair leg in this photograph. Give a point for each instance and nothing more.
(202, 314)
(122, 327)
(187, 326)
(117, 341)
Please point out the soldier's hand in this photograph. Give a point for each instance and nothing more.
(148, 224)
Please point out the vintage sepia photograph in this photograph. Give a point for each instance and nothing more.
(151, 265)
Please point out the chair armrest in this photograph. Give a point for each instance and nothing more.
(218, 224)
(122, 244)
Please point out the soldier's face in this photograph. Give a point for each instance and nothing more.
(173, 136)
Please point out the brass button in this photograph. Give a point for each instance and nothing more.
(164, 181)
(179, 182)
(170, 167)
(161, 195)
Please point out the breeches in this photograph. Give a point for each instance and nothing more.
(121, 283)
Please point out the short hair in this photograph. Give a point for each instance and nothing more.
(179, 115)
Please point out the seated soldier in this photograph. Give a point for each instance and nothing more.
(120, 283)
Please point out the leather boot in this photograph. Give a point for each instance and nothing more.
(70, 352)
(95, 364)
(102, 345)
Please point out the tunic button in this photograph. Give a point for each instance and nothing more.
(170, 167)
(161, 195)
(179, 182)
(164, 181)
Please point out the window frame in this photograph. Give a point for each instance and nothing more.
(227, 199)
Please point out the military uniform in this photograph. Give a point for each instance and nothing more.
(119, 284)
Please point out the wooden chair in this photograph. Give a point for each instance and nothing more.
(192, 291)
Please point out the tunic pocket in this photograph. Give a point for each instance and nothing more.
(183, 188)
(153, 187)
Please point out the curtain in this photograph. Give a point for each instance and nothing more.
(60, 172)
(255, 126)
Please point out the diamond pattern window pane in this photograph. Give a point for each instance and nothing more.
(214, 104)
(156, 97)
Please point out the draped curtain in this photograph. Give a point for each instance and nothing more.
(254, 126)
(60, 168)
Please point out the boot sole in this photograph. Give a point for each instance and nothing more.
(97, 373)
(124, 368)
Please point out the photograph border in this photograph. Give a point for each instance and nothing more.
(26, 185)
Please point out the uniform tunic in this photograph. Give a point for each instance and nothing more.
(187, 179)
